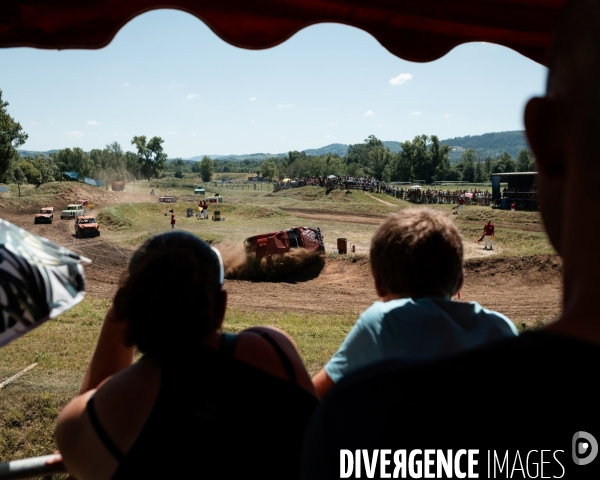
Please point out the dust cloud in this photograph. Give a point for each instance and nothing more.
(238, 267)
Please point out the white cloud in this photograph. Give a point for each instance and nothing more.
(127, 84)
(252, 99)
(192, 96)
(328, 136)
(412, 114)
(283, 138)
(176, 85)
(448, 115)
(52, 123)
(75, 134)
(369, 113)
(400, 79)
(253, 122)
(93, 122)
(333, 124)
(194, 135)
(381, 125)
(34, 123)
(173, 133)
(285, 105)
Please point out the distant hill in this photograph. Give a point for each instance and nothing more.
(338, 148)
(31, 153)
(393, 146)
(492, 144)
(239, 158)
(487, 144)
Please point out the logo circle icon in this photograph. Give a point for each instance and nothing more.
(583, 448)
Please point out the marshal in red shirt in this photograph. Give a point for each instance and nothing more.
(488, 229)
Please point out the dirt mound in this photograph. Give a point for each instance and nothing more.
(527, 270)
(59, 194)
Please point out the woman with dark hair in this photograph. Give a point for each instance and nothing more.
(199, 402)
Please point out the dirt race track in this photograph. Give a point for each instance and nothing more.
(526, 289)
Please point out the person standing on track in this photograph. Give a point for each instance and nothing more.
(460, 207)
(488, 235)
(172, 221)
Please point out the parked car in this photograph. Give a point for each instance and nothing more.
(215, 199)
(72, 211)
(200, 191)
(86, 226)
(46, 215)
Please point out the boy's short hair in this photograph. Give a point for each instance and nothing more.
(417, 252)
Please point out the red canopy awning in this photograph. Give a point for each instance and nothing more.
(416, 30)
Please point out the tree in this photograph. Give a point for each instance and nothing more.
(75, 160)
(423, 158)
(150, 154)
(488, 168)
(525, 161)
(269, 169)
(359, 152)
(505, 163)
(294, 156)
(12, 136)
(48, 169)
(207, 168)
(31, 174)
(380, 158)
(439, 158)
(479, 177)
(468, 165)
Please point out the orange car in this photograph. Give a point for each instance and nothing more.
(85, 225)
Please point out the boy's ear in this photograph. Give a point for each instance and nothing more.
(381, 292)
(461, 281)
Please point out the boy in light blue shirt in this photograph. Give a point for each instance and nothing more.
(417, 263)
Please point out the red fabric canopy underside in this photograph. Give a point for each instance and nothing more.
(416, 30)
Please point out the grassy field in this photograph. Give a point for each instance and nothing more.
(62, 348)
(249, 212)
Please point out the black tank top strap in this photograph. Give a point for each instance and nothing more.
(101, 433)
(228, 343)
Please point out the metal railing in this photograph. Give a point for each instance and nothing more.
(35, 467)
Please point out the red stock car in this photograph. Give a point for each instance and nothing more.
(86, 226)
(46, 215)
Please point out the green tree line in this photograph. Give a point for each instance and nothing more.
(422, 158)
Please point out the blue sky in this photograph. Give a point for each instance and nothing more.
(167, 74)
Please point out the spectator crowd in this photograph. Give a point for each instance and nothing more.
(410, 193)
